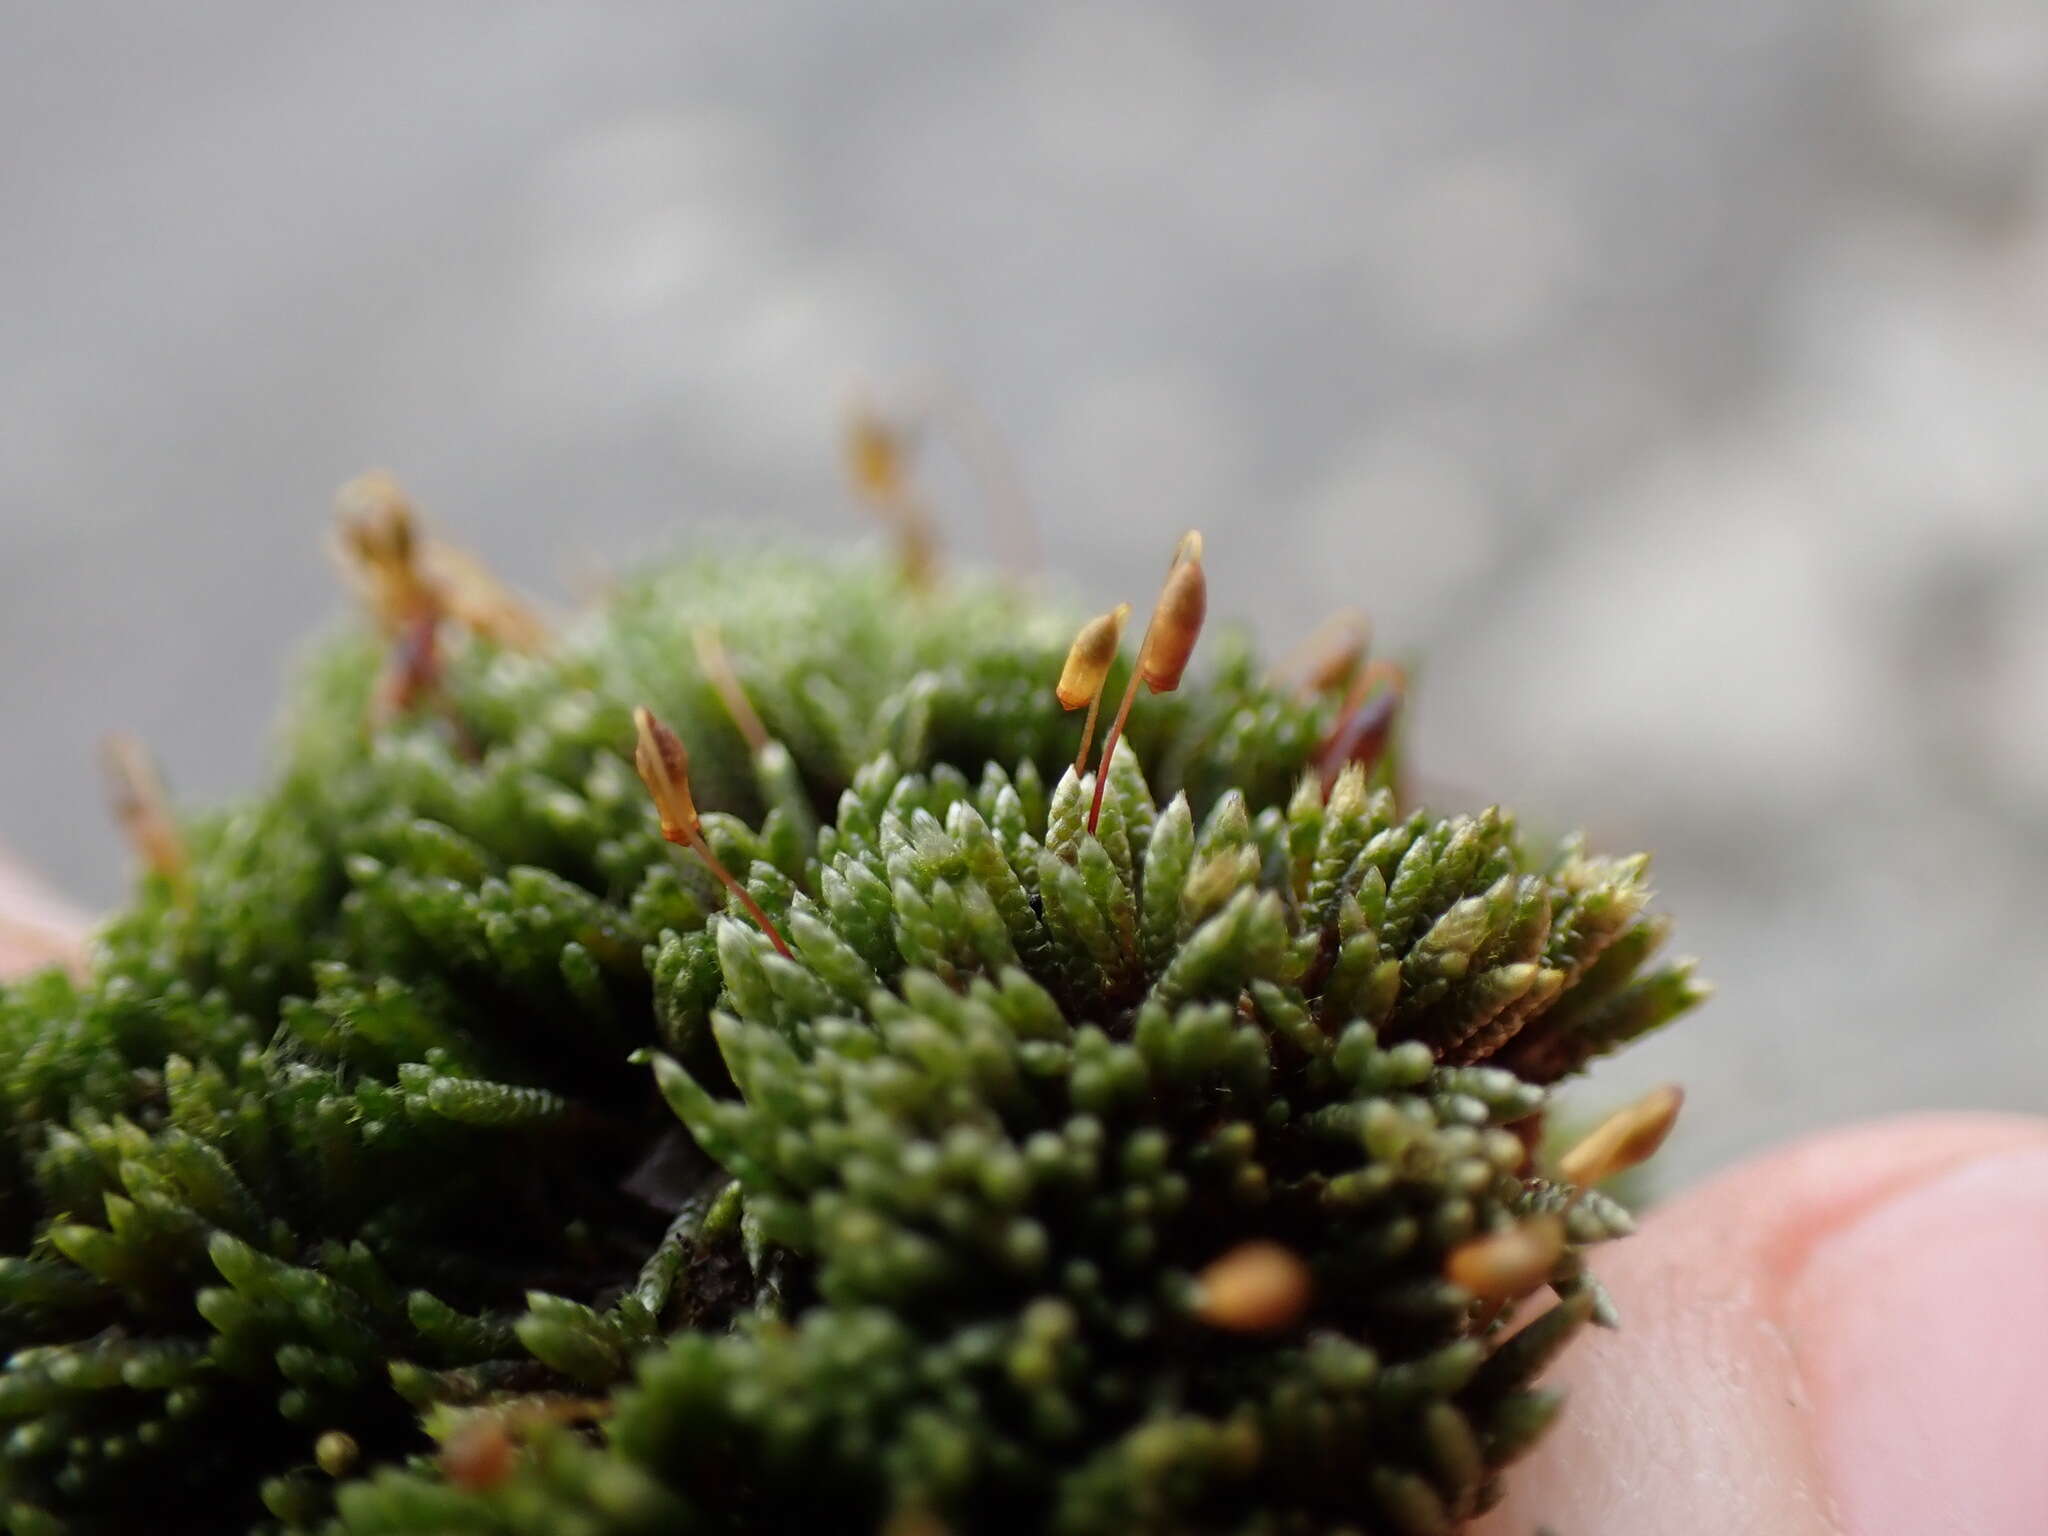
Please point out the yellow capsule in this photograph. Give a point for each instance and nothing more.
(1257, 1287)
(1176, 620)
(1089, 657)
(1629, 1136)
(336, 1453)
(1504, 1265)
(664, 768)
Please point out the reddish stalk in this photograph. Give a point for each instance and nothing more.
(703, 851)
(1116, 730)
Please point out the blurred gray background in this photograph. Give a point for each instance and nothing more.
(1673, 375)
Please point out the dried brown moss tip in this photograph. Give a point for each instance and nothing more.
(1626, 1138)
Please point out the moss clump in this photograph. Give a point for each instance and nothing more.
(440, 1100)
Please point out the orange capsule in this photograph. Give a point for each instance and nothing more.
(1505, 1265)
(1089, 657)
(664, 767)
(1170, 637)
(1629, 1136)
(1257, 1287)
(480, 1455)
(1176, 619)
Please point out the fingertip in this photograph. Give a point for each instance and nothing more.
(1921, 1335)
(1710, 1409)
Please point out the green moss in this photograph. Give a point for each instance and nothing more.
(452, 1086)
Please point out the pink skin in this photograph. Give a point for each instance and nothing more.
(1845, 1337)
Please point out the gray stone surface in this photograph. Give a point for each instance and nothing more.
(1673, 375)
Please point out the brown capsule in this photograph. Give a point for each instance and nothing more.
(1629, 1136)
(377, 518)
(664, 767)
(402, 576)
(1505, 1265)
(480, 1455)
(380, 547)
(1090, 656)
(1176, 620)
(1257, 1287)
